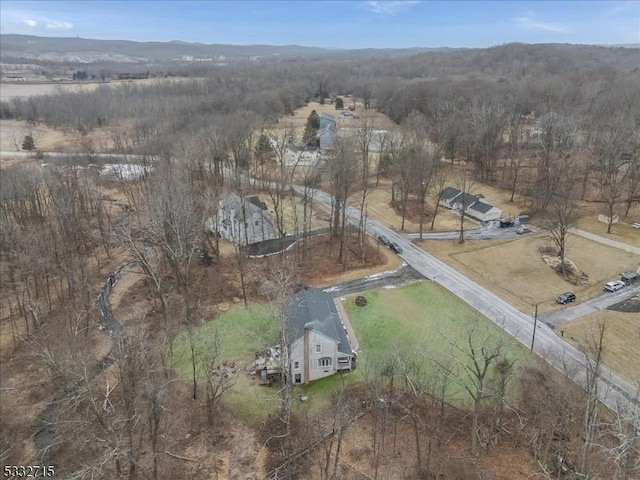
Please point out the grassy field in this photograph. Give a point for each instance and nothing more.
(622, 337)
(240, 332)
(514, 271)
(420, 319)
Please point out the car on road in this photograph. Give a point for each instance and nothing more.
(395, 247)
(614, 286)
(566, 297)
(383, 240)
(523, 229)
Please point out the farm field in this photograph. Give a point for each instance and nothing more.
(622, 336)
(514, 271)
(429, 320)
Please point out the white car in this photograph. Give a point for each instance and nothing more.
(614, 286)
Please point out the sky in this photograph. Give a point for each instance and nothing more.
(331, 24)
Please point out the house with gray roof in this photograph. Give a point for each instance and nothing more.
(483, 211)
(319, 345)
(244, 220)
(447, 196)
(472, 205)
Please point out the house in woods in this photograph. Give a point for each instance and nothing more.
(472, 205)
(319, 343)
(244, 220)
(447, 196)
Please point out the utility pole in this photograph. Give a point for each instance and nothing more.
(535, 325)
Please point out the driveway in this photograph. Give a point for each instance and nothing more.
(488, 231)
(601, 302)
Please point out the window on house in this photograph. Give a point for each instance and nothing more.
(318, 348)
(257, 223)
(324, 362)
(246, 225)
(296, 365)
(298, 378)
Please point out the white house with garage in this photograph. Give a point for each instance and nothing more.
(472, 205)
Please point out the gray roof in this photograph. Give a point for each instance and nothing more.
(481, 207)
(317, 310)
(466, 199)
(449, 193)
(232, 201)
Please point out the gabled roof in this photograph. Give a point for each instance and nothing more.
(466, 199)
(449, 193)
(481, 207)
(231, 201)
(317, 310)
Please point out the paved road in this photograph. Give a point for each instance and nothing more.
(613, 390)
(402, 276)
(594, 305)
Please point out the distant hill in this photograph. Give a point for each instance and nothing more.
(80, 50)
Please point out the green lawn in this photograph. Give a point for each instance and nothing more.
(421, 321)
(240, 334)
(416, 320)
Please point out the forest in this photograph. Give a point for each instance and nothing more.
(109, 281)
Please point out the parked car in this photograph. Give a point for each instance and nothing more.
(566, 297)
(395, 247)
(506, 223)
(523, 229)
(384, 240)
(630, 277)
(614, 286)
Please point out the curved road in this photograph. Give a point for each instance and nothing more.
(613, 391)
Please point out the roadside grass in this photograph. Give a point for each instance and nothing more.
(240, 333)
(620, 232)
(514, 271)
(621, 340)
(422, 320)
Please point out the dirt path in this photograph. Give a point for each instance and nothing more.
(245, 462)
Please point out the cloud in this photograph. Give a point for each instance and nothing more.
(55, 25)
(30, 23)
(528, 22)
(384, 7)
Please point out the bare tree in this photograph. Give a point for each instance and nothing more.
(473, 362)
(465, 184)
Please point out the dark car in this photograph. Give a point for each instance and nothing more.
(395, 247)
(566, 297)
(384, 240)
(506, 223)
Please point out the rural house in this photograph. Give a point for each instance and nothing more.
(447, 196)
(473, 205)
(483, 211)
(319, 343)
(244, 221)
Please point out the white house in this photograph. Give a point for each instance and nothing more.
(244, 221)
(483, 211)
(319, 343)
